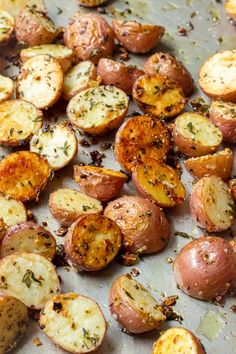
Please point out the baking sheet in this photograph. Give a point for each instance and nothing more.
(211, 32)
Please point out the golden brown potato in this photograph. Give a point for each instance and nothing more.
(89, 36)
(7, 25)
(158, 182)
(219, 164)
(169, 66)
(158, 96)
(137, 37)
(23, 175)
(100, 183)
(138, 138)
(91, 3)
(3, 229)
(230, 8)
(118, 74)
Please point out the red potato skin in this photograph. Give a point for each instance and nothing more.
(227, 126)
(206, 268)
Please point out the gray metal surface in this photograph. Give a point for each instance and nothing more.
(212, 32)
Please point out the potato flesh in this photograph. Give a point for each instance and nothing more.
(57, 51)
(6, 88)
(6, 25)
(12, 211)
(227, 110)
(14, 6)
(79, 326)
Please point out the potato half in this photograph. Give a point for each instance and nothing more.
(230, 8)
(133, 306)
(98, 109)
(29, 277)
(195, 135)
(217, 77)
(67, 205)
(178, 341)
(140, 137)
(23, 175)
(40, 81)
(74, 322)
(6, 88)
(158, 96)
(211, 204)
(7, 25)
(12, 211)
(13, 7)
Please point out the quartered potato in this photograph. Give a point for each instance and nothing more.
(92, 242)
(217, 77)
(195, 135)
(23, 175)
(13, 324)
(34, 27)
(178, 341)
(40, 81)
(98, 110)
(67, 205)
(133, 306)
(61, 53)
(230, 8)
(12, 211)
(100, 183)
(14, 6)
(81, 77)
(6, 88)
(137, 37)
(19, 120)
(56, 143)
(140, 137)
(28, 237)
(7, 25)
(91, 3)
(158, 96)
(158, 182)
(74, 322)
(211, 204)
(219, 164)
(30, 278)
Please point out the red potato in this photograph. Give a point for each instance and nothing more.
(133, 306)
(144, 226)
(90, 37)
(206, 268)
(137, 37)
(211, 204)
(232, 186)
(118, 74)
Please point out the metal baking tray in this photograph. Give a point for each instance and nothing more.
(208, 31)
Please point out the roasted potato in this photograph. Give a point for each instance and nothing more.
(30, 278)
(100, 183)
(178, 341)
(89, 36)
(3, 229)
(133, 306)
(158, 96)
(14, 6)
(6, 88)
(195, 135)
(217, 77)
(67, 205)
(92, 242)
(56, 143)
(205, 268)
(140, 137)
(137, 37)
(232, 186)
(74, 322)
(144, 227)
(28, 237)
(158, 182)
(61, 53)
(169, 66)
(223, 115)
(19, 120)
(23, 175)
(219, 164)
(40, 81)
(230, 8)
(91, 3)
(98, 109)
(13, 324)
(81, 77)
(7, 25)
(118, 74)
(211, 204)
(34, 27)
(12, 211)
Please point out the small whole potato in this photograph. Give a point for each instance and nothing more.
(89, 36)
(118, 74)
(137, 37)
(144, 226)
(206, 268)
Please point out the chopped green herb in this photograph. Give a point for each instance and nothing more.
(29, 277)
